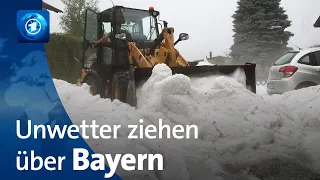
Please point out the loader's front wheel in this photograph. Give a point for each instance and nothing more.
(95, 88)
(120, 86)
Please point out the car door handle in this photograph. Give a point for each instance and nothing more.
(318, 70)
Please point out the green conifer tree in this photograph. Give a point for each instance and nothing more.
(260, 31)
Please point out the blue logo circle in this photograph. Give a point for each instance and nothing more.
(33, 26)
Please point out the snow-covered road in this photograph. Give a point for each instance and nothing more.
(241, 134)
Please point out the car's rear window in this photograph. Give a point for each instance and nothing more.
(285, 59)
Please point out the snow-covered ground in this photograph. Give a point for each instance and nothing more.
(241, 135)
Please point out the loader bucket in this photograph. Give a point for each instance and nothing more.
(140, 75)
(249, 69)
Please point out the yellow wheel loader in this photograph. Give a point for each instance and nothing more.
(135, 45)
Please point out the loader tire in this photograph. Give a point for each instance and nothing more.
(95, 87)
(120, 83)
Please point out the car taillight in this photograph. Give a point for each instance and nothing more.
(288, 71)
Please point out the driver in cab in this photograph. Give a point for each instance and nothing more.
(105, 37)
(109, 35)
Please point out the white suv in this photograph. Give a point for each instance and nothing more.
(295, 70)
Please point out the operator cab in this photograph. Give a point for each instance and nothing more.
(141, 25)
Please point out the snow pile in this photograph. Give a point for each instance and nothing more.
(304, 105)
(238, 130)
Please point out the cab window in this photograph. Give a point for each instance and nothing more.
(106, 28)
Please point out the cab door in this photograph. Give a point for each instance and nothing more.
(89, 54)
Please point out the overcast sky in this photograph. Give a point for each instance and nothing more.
(209, 22)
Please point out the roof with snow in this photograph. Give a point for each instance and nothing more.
(50, 7)
(317, 23)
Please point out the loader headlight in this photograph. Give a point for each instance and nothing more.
(183, 36)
